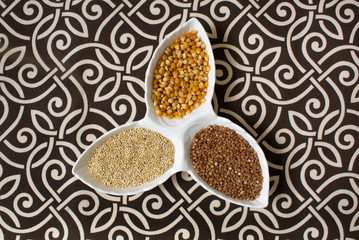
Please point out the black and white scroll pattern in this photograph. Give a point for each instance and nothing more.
(286, 71)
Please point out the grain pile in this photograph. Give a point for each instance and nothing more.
(180, 79)
(132, 157)
(227, 162)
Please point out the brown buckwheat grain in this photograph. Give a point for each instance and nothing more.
(226, 161)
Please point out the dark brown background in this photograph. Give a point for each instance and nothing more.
(299, 60)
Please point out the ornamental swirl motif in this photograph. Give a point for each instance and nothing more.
(286, 71)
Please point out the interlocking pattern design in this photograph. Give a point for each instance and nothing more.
(286, 71)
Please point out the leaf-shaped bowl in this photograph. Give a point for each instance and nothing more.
(262, 200)
(197, 114)
(180, 132)
(81, 167)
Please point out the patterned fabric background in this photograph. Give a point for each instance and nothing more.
(286, 71)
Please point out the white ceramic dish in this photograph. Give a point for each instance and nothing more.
(180, 132)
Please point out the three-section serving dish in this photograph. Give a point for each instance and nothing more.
(179, 131)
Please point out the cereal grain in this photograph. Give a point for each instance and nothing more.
(132, 157)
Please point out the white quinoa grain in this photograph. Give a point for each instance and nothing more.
(132, 157)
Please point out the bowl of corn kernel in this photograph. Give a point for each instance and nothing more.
(180, 78)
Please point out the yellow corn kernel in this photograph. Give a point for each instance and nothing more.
(158, 112)
(180, 79)
(181, 100)
(185, 106)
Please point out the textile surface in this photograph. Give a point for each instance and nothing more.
(287, 72)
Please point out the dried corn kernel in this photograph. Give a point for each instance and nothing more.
(181, 77)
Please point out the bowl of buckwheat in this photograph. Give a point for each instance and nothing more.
(228, 162)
